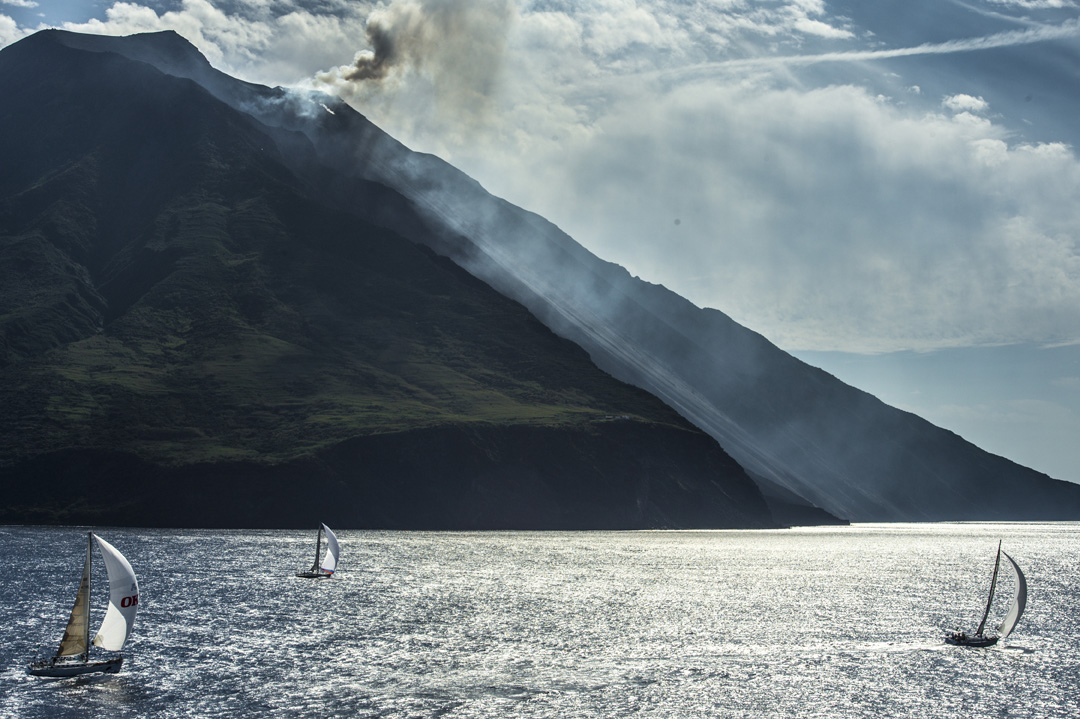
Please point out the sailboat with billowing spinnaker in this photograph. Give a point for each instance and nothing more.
(1012, 617)
(329, 563)
(73, 657)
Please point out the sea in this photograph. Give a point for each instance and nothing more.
(803, 622)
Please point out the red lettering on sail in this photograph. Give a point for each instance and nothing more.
(129, 601)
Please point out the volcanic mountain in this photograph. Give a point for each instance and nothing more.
(189, 242)
(193, 334)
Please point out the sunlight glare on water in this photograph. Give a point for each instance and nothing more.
(812, 622)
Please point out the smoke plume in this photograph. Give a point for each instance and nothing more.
(442, 58)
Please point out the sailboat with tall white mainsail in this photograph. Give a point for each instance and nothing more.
(1012, 617)
(329, 562)
(73, 656)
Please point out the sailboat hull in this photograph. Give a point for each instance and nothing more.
(315, 575)
(966, 641)
(73, 667)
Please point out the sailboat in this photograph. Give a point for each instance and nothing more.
(1016, 610)
(73, 656)
(329, 562)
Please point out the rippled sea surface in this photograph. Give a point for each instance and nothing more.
(836, 622)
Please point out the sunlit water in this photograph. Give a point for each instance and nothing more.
(838, 622)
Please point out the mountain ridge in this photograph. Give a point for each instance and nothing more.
(793, 424)
(190, 335)
(786, 422)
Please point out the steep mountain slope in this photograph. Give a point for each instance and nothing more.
(786, 422)
(790, 425)
(193, 333)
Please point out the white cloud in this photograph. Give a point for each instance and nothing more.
(1036, 4)
(821, 29)
(267, 41)
(9, 31)
(300, 43)
(19, 3)
(1012, 38)
(621, 25)
(965, 103)
(785, 18)
(217, 34)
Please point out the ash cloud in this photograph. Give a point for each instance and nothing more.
(440, 57)
(375, 64)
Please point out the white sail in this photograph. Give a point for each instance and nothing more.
(333, 551)
(123, 599)
(1019, 601)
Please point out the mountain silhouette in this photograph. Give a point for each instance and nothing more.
(805, 437)
(191, 334)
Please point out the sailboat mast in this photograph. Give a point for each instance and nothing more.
(318, 546)
(990, 599)
(89, 581)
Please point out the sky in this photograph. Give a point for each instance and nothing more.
(885, 189)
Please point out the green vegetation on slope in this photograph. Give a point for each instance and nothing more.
(210, 309)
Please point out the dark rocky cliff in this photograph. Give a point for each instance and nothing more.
(616, 475)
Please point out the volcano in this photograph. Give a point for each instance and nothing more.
(227, 302)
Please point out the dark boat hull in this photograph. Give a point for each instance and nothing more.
(966, 641)
(73, 668)
(315, 575)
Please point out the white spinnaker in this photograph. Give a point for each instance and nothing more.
(123, 599)
(1019, 601)
(333, 551)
